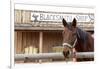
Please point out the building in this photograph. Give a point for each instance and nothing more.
(39, 31)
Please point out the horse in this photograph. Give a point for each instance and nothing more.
(77, 39)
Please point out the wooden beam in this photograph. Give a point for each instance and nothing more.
(52, 56)
(29, 26)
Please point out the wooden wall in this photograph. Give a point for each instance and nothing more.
(22, 16)
(51, 39)
(18, 16)
(25, 39)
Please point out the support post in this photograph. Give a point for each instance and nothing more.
(40, 43)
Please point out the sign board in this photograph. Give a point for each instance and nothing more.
(39, 16)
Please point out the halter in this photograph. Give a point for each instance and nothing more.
(69, 45)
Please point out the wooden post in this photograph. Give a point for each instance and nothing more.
(40, 43)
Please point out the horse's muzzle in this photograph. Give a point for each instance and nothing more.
(66, 53)
(66, 50)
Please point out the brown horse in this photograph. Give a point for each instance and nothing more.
(74, 37)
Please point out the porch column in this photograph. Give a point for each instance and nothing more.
(40, 43)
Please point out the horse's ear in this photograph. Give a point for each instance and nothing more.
(64, 22)
(74, 22)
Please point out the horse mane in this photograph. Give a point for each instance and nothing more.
(82, 35)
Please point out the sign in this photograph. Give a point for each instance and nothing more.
(57, 17)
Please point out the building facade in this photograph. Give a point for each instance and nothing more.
(41, 31)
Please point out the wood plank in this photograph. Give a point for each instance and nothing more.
(26, 16)
(33, 38)
(24, 41)
(18, 16)
(19, 43)
(30, 27)
(15, 42)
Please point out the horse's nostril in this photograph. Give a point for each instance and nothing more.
(66, 53)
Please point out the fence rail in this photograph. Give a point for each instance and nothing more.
(52, 56)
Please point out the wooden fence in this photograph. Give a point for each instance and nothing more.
(19, 57)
